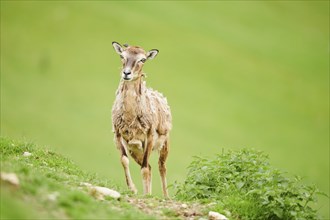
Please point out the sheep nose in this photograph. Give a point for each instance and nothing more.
(126, 73)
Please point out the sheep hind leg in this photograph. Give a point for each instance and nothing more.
(145, 167)
(162, 168)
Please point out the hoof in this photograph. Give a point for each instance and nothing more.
(134, 190)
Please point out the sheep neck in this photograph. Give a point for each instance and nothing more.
(132, 91)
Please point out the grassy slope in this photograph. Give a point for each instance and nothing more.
(258, 71)
(46, 173)
(50, 186)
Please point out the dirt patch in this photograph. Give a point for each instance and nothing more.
(168, 209)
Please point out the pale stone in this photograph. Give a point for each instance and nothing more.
(184, 206)
(26, 154)
(101, 192)
(10, 178)
(216, 216)
(85, 184)
(53, 196)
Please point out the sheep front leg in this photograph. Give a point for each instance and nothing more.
(125, 163)
(146, 168)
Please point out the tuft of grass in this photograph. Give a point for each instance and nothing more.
(170, 213)
(244, 183)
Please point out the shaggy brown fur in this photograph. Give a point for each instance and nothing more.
(141, 118)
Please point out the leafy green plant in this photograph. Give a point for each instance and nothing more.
(244, 183)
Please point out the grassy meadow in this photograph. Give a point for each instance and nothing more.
(236, 74)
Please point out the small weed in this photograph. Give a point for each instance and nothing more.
(170, 213)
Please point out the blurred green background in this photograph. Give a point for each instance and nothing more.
(236, 74)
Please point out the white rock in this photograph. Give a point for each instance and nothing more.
(85, 184)
(184, 206)
(53, 196)
(101, 192)
(216, 216)
(26, 154)
(10, 178)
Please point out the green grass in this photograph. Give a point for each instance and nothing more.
(236, 74)
(240, 184)
(46, 173)
(50, 187)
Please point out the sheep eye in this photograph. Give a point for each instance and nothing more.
(121, 57)
(143, 60)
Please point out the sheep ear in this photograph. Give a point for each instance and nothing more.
(152, 54)
(117, 47)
